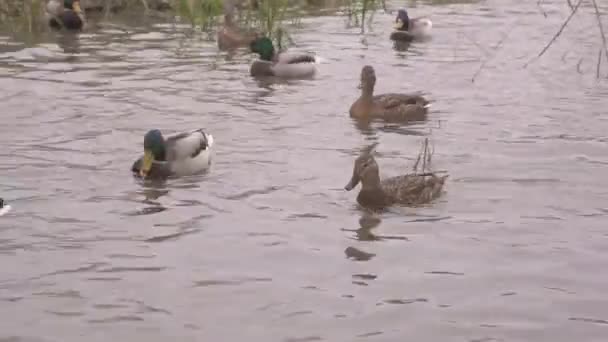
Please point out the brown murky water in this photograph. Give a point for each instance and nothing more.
(268, 246)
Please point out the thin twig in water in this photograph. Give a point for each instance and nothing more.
(599, 23)
(540, 7)
(557, 34)
(599, 63)
(498, 45)
(570, 4)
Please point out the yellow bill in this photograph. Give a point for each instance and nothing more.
(399, 24)
(146, 164)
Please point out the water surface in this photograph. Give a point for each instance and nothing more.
(268, 246)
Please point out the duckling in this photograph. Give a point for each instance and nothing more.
(410, 190)
(410, 29)
(280, 64)
(69, 15)
(391, 107)
(230, 36)
(182, 154)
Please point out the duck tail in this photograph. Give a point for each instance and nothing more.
(318, 60)
(209, 140)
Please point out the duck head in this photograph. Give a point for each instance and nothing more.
(73, 5)
(154, 150)
(365, 171)
(402, 22)
(368, 79)
(264, 47)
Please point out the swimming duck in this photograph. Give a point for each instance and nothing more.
(409, 29)
(182, 154)
(280, 64)
(66, 15)
(392, 107)
(230, 36)
(410, 190)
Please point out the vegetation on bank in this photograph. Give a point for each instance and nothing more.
(268, 16)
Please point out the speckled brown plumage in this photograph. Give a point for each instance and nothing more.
(391, 106)
(410, 190)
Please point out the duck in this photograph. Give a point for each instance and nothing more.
(407, 29)
(280, 64)
(65, 14)
(230, 36)
(391, 106)
(4, 208)
(178, 155)
(409, 190)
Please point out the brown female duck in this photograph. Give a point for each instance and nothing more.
(386, 106)
(230, 36)
(410, 190)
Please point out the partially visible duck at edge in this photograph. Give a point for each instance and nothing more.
(182, 154)
(408, 29)
(4, 208)
(280, 64)
(408, 190)
(391, 106)
(230, 36)
(65, 14)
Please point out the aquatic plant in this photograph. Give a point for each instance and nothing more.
(357, 11)
(201, 13)
(22, 15)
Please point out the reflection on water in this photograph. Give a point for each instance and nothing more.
(268, 239)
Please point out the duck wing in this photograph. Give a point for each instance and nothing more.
(186, 145)
(291, 58)
(388, 101)
(414, 189)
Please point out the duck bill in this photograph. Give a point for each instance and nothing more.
(353, 183)
(398, 24)
(146, 164)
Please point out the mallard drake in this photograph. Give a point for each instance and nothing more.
(280, 64)
(410, 190)
(178, 155)
(407, 29)
(4, 208)
(230, 36)
(386, 106)
(66, 15)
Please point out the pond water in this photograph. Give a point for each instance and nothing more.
(268, 246)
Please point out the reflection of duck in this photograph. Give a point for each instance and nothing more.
(230, 36)
(66, 15)
(412, 189)
(280, 64)
(409, 29)
(182, 154)
(391, 106)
